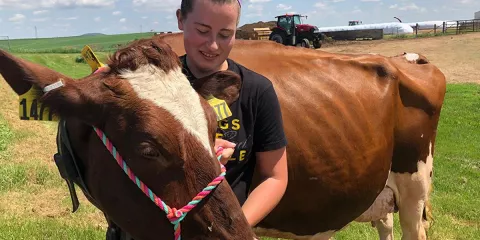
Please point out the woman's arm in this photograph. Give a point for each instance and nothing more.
(272, 165)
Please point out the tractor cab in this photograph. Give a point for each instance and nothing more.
(290, 30)
(354, 23)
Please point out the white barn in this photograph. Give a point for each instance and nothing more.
(477, 15)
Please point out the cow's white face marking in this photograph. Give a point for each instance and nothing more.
(172, 92)
(412, 57)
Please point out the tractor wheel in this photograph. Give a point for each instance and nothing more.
(304, 43)
(317, 44)
(278, 37)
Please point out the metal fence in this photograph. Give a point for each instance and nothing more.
(448, 28)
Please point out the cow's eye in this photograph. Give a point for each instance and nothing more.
(148, 151)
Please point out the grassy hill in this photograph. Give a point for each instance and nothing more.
(99, 43)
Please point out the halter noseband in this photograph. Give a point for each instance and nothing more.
(175, 216)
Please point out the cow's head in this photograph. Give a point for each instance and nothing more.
(163, 128)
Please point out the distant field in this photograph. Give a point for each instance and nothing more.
(101, 43)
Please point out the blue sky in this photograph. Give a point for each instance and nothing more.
(53, 18)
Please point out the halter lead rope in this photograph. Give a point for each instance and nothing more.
(175, 216)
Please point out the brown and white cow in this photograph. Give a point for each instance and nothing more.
(360, 128)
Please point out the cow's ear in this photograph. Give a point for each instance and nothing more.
(21, 75)
(222, 85)
(64, 96)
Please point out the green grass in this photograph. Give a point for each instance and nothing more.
(101, 43)
(63, 62)
(33, 229)
(455, 199)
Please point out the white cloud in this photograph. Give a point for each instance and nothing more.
(17, 18)
(40, 12)
(335, 1)
(61, 25)
(321, 5)
(35, 4)
(144, 17)
(97, 19)
(356, 10)
(282, 6)
(39, 19)
(160, 5)
(122, 20)
(412, 6)
(68, 18)
(254, 10)
(394, 6)
(370, 0)
(116, 13)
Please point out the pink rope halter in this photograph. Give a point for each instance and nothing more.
(175, 216)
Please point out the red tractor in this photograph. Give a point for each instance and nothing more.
(291, 31)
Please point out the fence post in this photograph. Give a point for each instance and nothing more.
(416, 30)
(443, 29)
(434, 29)
(458, 30)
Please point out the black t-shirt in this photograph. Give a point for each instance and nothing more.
(256, 125)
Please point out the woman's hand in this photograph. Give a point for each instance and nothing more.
(228, 149)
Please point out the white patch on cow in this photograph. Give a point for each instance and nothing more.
(381, 207)
(172, 92)
(412, 192)
(323, 235)
(421, 136)
(412, 57)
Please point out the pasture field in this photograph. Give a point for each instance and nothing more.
(35, 204)
(71, 44)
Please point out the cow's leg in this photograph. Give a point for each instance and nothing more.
(385, 227)
(412, 193)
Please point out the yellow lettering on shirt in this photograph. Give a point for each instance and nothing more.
(242, 155)
(223, 124)
(235, 124)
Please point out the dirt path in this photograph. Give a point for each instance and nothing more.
(458, 56)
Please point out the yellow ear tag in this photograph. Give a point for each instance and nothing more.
(220, 107)
(31, 108)
(91, 58)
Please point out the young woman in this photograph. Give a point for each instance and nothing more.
(255, 130)
(254, 133)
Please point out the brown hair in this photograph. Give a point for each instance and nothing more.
(186, 6)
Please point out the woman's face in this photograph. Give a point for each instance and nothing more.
(209, 34)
